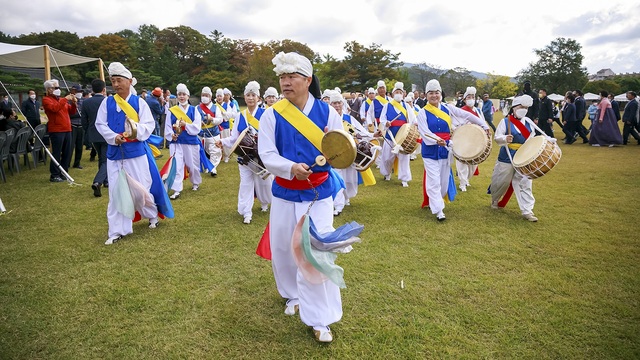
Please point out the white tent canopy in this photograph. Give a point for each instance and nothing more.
(555, 97)
(621, 97)
(591, 96)
(32, 56)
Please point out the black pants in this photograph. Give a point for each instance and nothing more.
(77, 143)
(101, 175)
(490, 122)
(61, 151)
(546, 127)
(629, 129)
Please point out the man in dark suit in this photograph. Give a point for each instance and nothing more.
(581, 112)
(31, 110)
(615, 106)
(5, 104)
(630, 119)
(545, 114)
(89, 112)
(532, 112)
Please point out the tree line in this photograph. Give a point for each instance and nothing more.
(166, 57)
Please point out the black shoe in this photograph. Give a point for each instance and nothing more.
(96, 190)
(584, 141)
(93, 158)
(214, 174)
(106, 185)
(78, 167)
(56, 179)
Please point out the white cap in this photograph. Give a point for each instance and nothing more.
(252, 87)
(219, 92)
(371, 90)
(206, 90)
(398, 86)
(337, 89)
(292, 62)
(381, 84)
(182, 88)
(433, 85)
(335, 97)
(327, 93)
(271, 91)
(226, 91)
(524, 100)
(470, 90)
(117, 69)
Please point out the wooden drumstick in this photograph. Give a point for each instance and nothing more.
(434, 138)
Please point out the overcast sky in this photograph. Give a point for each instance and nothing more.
(489, 36)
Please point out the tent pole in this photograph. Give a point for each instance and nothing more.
(47, 63)
(101, 67)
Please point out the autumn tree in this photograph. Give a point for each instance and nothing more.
(366, 65)
(497, 86)
(456, 79)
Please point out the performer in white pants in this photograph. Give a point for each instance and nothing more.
(182, 128)
(211, 119)
(435, 122)
(466, 171)
(288, 145)
(394, 114)
(251, 179)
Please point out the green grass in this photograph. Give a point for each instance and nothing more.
(483, 284)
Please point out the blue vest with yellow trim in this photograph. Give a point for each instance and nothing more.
(184, 137)
(225, 124)
(392, 112)
(377, 107)
(116, 120)
(436, 125)
(293, 146)
(243, 123)
(208, 132)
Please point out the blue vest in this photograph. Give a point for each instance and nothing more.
(208, 132)
(116, 120)
(347, 118)
(391, 114)
(436, 125)
(293, 146)
(517, 139)
(225, 124)
(184, 137)
(243, 123)
(377, 108)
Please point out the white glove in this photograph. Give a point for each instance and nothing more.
(216, 121)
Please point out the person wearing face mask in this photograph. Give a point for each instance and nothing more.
(211, 119)
(5, 104)
(181, 129)
(270, 97)
(250, 182)
(510, 134)
(31, 109)
(466, 171)
(379, 101)
(436, 121)
(393, 115)
(58, 111)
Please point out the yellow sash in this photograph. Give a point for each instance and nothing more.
(300, 122)
(513, 146)
(399, 108)
(439, 113)
(251, 119)
(127, 108)
(381, 99)
(180, 114)
(369, 101)
(224, 111)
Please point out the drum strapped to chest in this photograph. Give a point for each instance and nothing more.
(471, 144)
(536, 157)
(407, 137)
(246, 147)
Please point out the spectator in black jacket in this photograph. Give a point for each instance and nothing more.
(545, 114)
(31, 109)
(630, 118)
(615, 106)
(88, 118)
(569, 118)
(581, 112)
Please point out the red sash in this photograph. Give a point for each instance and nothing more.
(398, 123)
(204, 108)
(525, 132)
(314, 180)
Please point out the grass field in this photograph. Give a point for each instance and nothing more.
(483, 284)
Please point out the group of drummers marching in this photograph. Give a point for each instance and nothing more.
(391, 132)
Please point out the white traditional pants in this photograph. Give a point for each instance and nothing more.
(215, 153)
(503, 174)
(465, 172)
(226, 152)
(252, 185)
(321, 304)
(189, 156)
(438, 172)
(350, 177)
(138, 169)
(386, 163)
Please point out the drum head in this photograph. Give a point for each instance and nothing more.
(469, 141)
(530, 150)
(402, 134)
(238, 140)
(339, 148)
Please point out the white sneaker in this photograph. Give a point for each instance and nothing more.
(323, 334)
(463, 188)
(195, 187)
(291, 308)
(530, 217)
(611, 145)
(336, 212)
(264, 208)
(494, 205)
(247, 219)
(595, 145)
(440, 216)
(175, 195)
(348, 203)
(113, 239)
(153, 223)
(405, 184)
(387, 178)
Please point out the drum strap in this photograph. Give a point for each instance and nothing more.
(300, 122)
(207, 111)
(520, 126)
(251, 119)
(180, 114)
